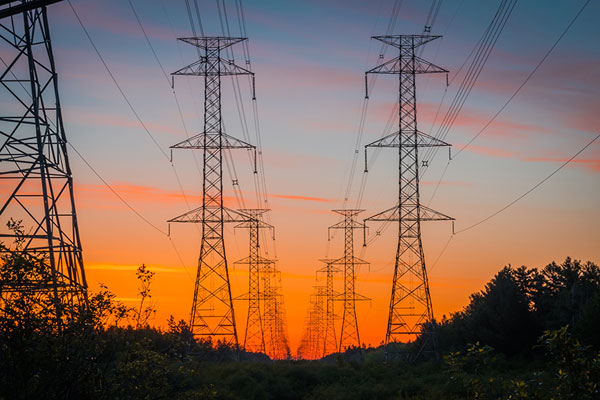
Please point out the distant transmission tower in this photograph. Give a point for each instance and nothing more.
(274, 317)
(311, 344)
(34, 163)
(212, 312)
(330, 338)
(349, 335)
(410, 304)
(254, 339)
(317, 319)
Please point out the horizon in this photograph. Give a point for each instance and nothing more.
(309, 60)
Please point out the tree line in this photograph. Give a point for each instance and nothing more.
(529, 334)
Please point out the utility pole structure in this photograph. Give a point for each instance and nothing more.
(34, 165)
(349, 335)
(330, 338)
(410, 312)
(311, 345)
(281, 344)
(318, 322)
(212, 312)
(254, 338)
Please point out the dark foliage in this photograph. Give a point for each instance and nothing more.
(519, 304)
(528, 335)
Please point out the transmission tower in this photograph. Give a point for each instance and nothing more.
(349, 335)
(410, 304)
(311, 345)
(254, 339)
(317, 321)
(330, 339)
(212, 312)
(34, 163)
(281, 343)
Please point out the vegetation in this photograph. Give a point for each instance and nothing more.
(528, 334)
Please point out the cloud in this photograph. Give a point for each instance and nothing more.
(99, 15)
(590, 164)
(81, 116)
(123, 267)
(142, 194)
(303, 198)
(487, 151)
(445, 183)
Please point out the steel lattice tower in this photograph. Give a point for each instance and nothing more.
(254, 339)
(311, 345)
(349, 335)
(330, 338)
(34, 163)
(410, 304)
(317, 322)
(212, 312)
(281, 344)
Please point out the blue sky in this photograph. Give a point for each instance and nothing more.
(309, 58)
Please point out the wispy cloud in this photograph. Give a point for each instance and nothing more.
(103, 16)
(488, 151)
(115, 121)
(302, 198)
(125, 267)
(590, 164)
(145, 194)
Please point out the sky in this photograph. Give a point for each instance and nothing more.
(309, 58)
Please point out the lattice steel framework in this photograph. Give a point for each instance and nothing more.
(330, 338)
(311, 345)
(212, 312)
(410, 304)
(274, 318)
(254, 339)
(37, 184)
(349, 334)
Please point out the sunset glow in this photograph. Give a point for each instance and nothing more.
(309, 58)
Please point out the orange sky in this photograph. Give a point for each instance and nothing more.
(309, 58)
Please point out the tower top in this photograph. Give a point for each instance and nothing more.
(212, 42)
(348, 212)
(406, 40)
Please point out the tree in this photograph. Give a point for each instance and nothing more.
(143, 314)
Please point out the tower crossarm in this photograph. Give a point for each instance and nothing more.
(225, 67)
(406, 139)
(196, 216)
(259, 261)
(406, 40)
(211, 140)
(401, 65)
(393, 214)
(7, 9)
(212, 42)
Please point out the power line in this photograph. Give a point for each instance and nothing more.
(491, 36)
(146, 220)
(149, 43)
(133, 110)
(431, 17)
(526, 79)
(533, 71)
(129, 206)
(530, 190)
